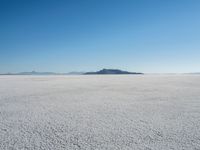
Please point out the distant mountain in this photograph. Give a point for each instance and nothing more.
(197, 73)
(37, 73)
(75, 73)
(103, 71)
(34, 73)
(111, 71)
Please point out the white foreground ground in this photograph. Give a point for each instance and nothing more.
(100, 112)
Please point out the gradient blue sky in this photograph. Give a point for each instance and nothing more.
(152, 36)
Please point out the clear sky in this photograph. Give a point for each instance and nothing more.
(151, 36)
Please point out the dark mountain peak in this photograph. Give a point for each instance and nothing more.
(111, 71)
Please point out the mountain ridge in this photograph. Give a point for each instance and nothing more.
(112, 71)
(102, 71)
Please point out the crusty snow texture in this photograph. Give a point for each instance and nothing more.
(122, 112)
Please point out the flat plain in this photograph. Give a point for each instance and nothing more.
(100, 112)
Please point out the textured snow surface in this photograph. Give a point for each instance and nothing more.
(149, 112)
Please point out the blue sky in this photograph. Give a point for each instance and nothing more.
(152, 36)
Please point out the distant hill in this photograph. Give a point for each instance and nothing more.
(111, 71)
(103, 71)
(49, 73)
(75, 73)
(194, 73)
(37, 73)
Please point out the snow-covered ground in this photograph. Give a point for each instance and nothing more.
(122, 112)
